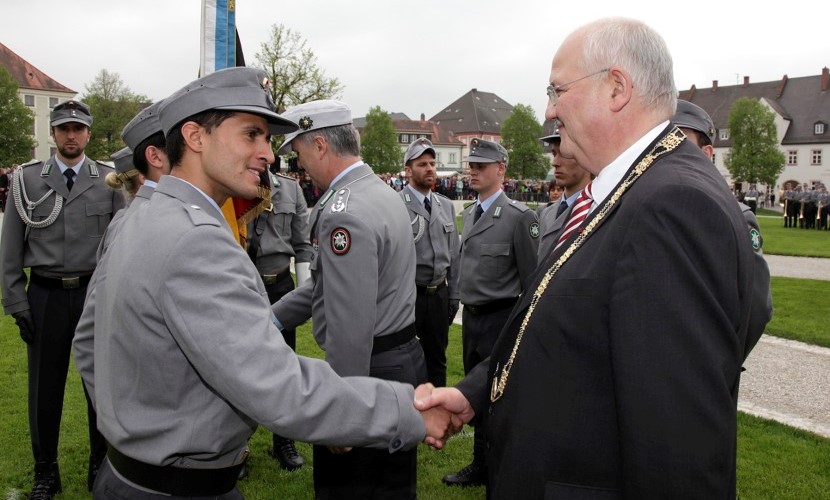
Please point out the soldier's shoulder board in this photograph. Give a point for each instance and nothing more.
(198, 216)
(30, 163)
(439, 195)
(518, 205)
(104, 166)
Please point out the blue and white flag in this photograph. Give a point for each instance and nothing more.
(219, 43)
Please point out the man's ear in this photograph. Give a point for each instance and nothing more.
(708, 150)
(193, 133)
(622, 87)
(152, 155)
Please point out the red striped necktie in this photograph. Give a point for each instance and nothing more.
(578, 214)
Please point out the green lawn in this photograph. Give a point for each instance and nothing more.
(800, 310)
(774, 461)
(780, 240)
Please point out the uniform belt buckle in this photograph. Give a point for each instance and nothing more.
(269, 279)
(432, 289)
(71, 283)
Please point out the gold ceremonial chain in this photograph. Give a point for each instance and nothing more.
(666, 145)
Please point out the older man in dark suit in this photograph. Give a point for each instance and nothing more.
(617, 375)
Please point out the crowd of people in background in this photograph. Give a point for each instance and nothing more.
(805, 207)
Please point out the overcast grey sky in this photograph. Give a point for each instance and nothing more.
(413, 57)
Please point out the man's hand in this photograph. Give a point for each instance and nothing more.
(445, 411)
(26, 325)
(454, 303)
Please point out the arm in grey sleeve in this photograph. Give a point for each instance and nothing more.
(297, 397)
(294, 308)
(300, 238)
(526, 247)
(13, 246)
(454, 274)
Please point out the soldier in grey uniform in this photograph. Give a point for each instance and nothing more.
(361, 295)
(499, 240)
(751, 198)
(138, 173)
(696, 123)
(60, 210)
(437, 250)
(183, 376)
(573, 179)
(274, 237)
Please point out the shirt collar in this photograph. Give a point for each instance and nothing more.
(344, 172)
(612, 174)
(485, 204)
(208, 198)
(153, 184)
(76, 168)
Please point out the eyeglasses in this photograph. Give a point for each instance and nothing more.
(555, 91)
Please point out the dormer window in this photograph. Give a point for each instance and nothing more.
(819, 128)
(724, 134)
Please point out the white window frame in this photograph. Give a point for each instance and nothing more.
(723, 134)
(815, 157)
(29, 100)
(792, 157)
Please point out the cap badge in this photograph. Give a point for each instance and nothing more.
(305, 123)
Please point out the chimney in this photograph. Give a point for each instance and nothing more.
(692, 91)
(825, 79)
(423, 117)
(780, 91)
(714, 85)
(746, 81)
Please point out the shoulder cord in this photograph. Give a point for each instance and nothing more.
(420, 220)
(20, 187)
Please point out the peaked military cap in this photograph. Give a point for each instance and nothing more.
(482, 151)
(315, 115)
(123, 160)
(143, 125)
(231, 89)
(416, 149)
(550, 139)
(71, 111)
(692, 116)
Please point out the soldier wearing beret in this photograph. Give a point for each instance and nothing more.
(361, 295)
(187, 357)
(274, 238)
(499, 242)
(695, 122)
(60, 210)
(437, 250)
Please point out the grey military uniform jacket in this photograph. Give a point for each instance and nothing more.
(285, 228)
(549, 227)
(498, 253)
(83, 343)
(437, 244)
(67, 247)
(187, 359)
(362, 282)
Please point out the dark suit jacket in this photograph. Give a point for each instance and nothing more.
(625, 384)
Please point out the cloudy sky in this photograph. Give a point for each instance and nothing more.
(413, 57)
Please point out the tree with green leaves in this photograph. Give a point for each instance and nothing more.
(520, 136)
(379, 143)
(113, 105)
(16, 120)
(754, 156)
(293, 71)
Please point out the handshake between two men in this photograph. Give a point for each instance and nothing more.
(445, 411)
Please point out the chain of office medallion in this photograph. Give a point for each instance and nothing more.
(666, 145)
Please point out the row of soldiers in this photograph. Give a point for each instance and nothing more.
(806, 208)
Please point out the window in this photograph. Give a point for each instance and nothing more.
(437, 158)
(792, 157)
(53, 101)
(815, 157)
(713, 159)
(818, 128)
(452, 158)
(724, 134)
(33, 152)
(29, 100)
(34, 128)
(405, 138)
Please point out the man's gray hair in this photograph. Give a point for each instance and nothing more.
(343, 140)
(640, 50)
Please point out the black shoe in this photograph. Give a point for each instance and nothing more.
(286, 453)
(47, 481)
(472, 475)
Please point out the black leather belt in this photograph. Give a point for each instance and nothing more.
(272, 279)
(65, 283)
(430, 289)
(393, 340)
(176, 481)
(490, 307)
